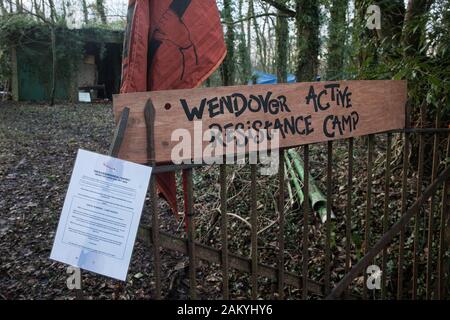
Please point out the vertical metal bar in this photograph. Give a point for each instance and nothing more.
(401, 252)
(306, 210)
(328, 222)
(442, 230)
(387, 177)
(416, 216)
(369, 205)
(191, 236)
(432, 208)
(281, 223)
(224, 229)
(149, 114)
(348, 208)
(254, 230)
(445, 243)
(155, 236)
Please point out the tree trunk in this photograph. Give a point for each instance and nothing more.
(264, 53)
(52, 11)
(53, 43)
(259, 50)
(52, 26)
(359, 37)
(390, 34)
(19, 8)
(99, 5)
(443, 46)
(337, 36)
(308, 43)
(413, 40)
(64, 8)
(244, 57)
(228, 63)
(282, 37)
(249, 32)
(36, 8)
(414, 26)
(85, 12)
(2, 8)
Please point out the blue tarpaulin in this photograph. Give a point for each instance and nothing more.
(267, 78)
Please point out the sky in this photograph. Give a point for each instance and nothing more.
(116, 9)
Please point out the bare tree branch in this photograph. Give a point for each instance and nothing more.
(281, 7)
(25, 11)
(254, 17)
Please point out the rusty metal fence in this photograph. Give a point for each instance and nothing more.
(420, 233)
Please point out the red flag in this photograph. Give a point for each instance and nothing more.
(170, 44)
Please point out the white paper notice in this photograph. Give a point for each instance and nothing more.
(101, 214)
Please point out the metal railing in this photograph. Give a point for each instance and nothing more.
(429, 262)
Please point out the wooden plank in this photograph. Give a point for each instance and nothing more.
(300, 110)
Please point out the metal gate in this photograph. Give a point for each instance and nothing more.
(406, 246)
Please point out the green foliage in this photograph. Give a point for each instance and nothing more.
(337, 37)
(308, 41)
(282, 38)
(100, 8)
(33, 39)
(5, 67)
(228, 67)
(391, 53)
(244, 64)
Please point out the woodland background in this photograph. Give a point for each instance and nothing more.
(308, 38)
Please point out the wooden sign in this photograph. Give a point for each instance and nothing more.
(304, 113)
